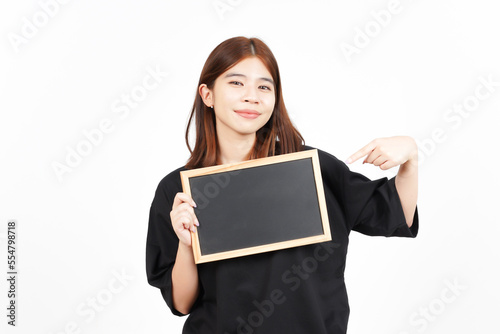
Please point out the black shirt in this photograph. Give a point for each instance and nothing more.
(294, 290)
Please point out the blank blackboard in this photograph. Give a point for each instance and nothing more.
(257, 206)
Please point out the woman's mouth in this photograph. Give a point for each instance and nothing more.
(247, 113)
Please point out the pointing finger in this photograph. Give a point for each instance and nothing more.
(361, 153)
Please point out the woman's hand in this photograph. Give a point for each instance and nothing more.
(183, 217)
(388, 152)
(185, 285)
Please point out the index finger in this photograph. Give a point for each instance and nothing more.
(183, 197)
(361, 153)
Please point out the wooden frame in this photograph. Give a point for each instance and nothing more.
(278, 164)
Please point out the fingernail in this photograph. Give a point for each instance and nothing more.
(348, 161)
(196, 222)
(194, 204)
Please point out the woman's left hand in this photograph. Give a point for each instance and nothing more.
(387, 152)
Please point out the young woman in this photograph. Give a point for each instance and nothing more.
(240, 115)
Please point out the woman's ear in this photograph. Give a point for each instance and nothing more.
(206, 95)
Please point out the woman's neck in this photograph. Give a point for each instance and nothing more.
(234, 150)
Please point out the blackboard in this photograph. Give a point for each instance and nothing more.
(257, 206)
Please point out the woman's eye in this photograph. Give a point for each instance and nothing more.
(265, 87)
(236, 83)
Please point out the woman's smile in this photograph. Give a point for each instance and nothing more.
(248, 113)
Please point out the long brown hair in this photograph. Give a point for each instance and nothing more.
(277, 136)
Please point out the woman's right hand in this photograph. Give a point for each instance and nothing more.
(183, 217)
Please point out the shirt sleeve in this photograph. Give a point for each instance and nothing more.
(373, 207)
(161, 246)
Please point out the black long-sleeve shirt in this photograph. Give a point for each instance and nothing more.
(294, 290)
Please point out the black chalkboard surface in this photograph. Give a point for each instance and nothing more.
(257, 206)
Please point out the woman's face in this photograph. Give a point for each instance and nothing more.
(243, 98)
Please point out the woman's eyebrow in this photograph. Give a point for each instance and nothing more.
(244, 76)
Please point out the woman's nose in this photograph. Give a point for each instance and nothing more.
(250, 95)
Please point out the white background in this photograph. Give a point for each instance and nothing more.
(77, 233)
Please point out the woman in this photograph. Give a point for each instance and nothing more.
(240, 115)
